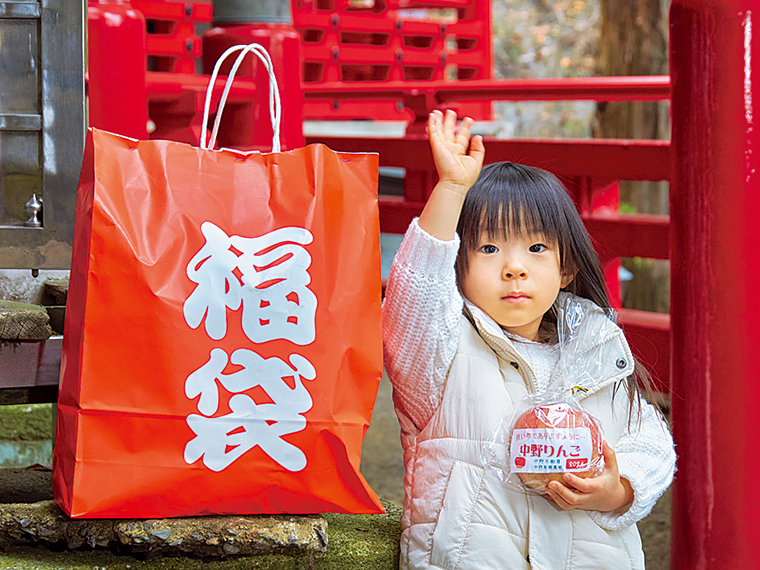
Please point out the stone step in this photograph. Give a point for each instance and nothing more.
(213, 536)
(261, 541)
(23, 322)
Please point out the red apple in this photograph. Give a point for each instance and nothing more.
(555, 417)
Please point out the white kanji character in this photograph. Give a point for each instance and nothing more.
(222, 440)
(271, 282)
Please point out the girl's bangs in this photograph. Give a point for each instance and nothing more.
(513, 218)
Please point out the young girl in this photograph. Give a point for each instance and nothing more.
(468, 332)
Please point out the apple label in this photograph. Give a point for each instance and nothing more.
(547, 450)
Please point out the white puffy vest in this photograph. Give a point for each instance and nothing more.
(458, 516)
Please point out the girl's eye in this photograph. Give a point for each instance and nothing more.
(489, 248)
(537, 248)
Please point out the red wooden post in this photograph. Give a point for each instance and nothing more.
(715, 265)
(116, 70)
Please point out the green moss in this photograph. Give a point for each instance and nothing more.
(356, 541)
(369, 541)
(26, 422)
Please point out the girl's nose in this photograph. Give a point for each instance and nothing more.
(513, 269)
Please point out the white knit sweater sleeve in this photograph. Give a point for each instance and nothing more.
(646, 457)
(421, 322)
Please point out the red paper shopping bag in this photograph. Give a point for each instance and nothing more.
(223, 350)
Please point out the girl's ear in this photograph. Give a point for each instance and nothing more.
(567, 278)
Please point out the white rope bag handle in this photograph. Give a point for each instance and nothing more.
(274, 94)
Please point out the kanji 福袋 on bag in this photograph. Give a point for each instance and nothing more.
(223, 348)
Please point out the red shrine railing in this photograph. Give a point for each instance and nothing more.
(590, 168)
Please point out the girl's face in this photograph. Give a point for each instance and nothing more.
(515, 280)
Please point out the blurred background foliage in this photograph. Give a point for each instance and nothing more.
(538, 39)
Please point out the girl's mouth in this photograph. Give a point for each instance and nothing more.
(516, 297)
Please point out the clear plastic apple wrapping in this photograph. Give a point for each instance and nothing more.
(549, 433)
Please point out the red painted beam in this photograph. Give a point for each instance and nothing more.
(395, 214)
(165, 86)
(605, 159)
(175, 11)
(631, 88)
(614, 236)
(631, 235)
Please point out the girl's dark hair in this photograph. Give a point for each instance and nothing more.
(508, 199)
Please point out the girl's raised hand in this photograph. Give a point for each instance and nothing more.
(605, 492)
(457, 168)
